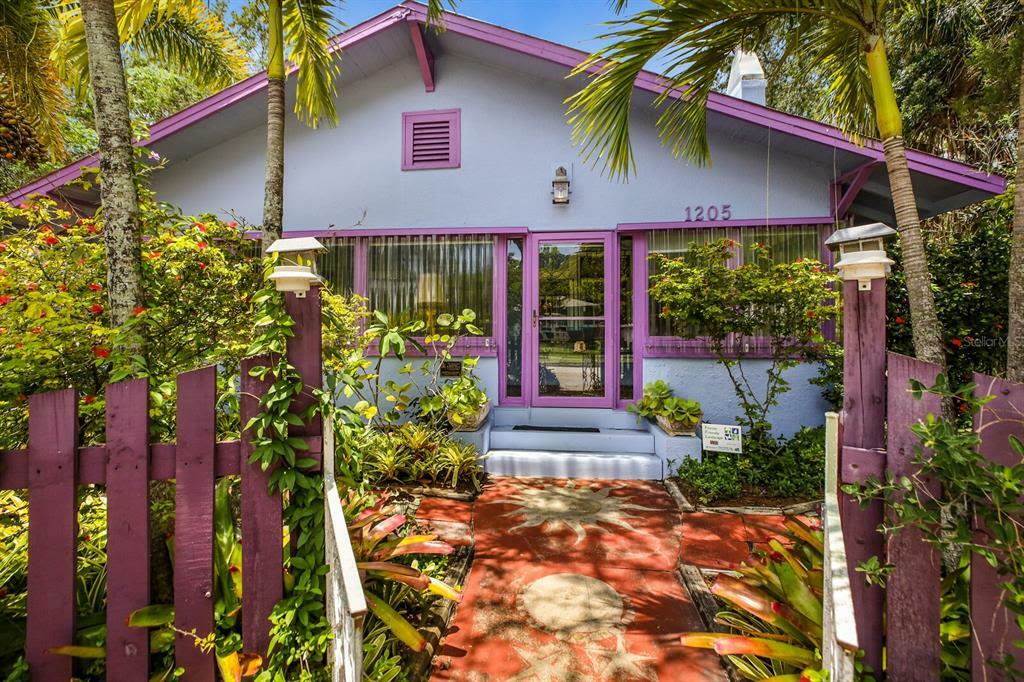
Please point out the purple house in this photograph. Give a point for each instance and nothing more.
(451, 182)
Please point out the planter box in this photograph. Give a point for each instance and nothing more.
(475, 421)
(676, 428)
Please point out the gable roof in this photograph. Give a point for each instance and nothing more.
(972, 184)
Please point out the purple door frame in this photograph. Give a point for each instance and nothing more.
(531, 339)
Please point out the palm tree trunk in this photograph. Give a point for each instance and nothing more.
(118, 198)
(273, 192)
(1015, 338)
(927, 332)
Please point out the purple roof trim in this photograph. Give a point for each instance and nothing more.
(557, 54)
(403, 231)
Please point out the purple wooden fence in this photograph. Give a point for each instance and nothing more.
(911, 617)
(54, 465)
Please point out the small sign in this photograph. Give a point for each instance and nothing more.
(722, 438)
(451, 368)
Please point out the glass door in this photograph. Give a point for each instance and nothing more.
(573, 303)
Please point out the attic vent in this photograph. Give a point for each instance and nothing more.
(430, 139)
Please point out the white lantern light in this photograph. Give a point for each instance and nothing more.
(862, 254)
(297, 271)
(560, 186)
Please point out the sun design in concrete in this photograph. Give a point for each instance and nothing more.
(555, 506)
(586, 612)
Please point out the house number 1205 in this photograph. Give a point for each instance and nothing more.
(712, 212)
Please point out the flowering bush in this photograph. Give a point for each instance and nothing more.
(54, 327)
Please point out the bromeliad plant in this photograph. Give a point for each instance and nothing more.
(773, 610)
(382, 542)
(676, 415)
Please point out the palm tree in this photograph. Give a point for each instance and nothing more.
(844, 39)
(1015, 328)
(182, 32)
(29, 87)
(303, 28)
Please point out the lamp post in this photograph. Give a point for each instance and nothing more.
(863, 266)
(297, 271)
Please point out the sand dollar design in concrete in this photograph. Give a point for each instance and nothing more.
(573, 606)
(555, 506)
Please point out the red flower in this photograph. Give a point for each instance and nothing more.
(44, 229)
(154, 254)
(62, 287)
(37, 330)
(964, 407)
(95, 309)
(201, 245)
(88, 399)
(93, 286)
(5, 299)
(200, 227)
(732, 242)
(810, 314)
(233, 224)
(799, 260)
(957, 342)
(899, 320)
(32, 286)
(51, 240)
(138, 310)
(3, 247)
(202, 266)
(93, 229)
(101, 352)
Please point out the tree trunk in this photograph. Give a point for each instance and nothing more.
(118, 198)
(924, 320)
(273, 191)
(1015, 337)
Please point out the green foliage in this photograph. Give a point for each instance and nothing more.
(969, 262)
(974, 489)
(196, 273)
(829, 358)
(773, 609)
(786, 468)
(658, 401)
(774, 309)
(413, 453)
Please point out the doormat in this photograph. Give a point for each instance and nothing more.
(569, 429)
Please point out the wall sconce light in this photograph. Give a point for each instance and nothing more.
(862, 254)
(297, 271)
(560, 186)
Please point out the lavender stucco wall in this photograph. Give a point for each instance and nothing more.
(513, 135)
(707, 381)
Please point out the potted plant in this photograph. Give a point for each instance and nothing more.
(677, 416)
(680, 416)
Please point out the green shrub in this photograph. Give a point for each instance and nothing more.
(787, 468)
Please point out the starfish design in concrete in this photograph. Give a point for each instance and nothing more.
(554, 507)
(552, 662)
(618, 664)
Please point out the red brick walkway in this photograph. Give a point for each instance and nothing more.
(574, 581)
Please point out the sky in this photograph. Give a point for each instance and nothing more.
(571, 22)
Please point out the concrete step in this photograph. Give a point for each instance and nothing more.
(553, 464)
(606, 440)
(562, 416)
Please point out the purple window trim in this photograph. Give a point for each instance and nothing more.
(501, 325)
(607, 238)
(640, 315)
(628, 228)
(451, 116)
(647, 345)
(472, 346)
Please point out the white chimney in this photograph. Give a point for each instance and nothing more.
(746, 79)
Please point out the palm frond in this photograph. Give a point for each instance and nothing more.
(308, 27)
(28, 79)
(184, 34)
(696, 37)
(436, 10)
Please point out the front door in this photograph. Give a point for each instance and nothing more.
(572, 305)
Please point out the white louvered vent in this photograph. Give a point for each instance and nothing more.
(430, 139)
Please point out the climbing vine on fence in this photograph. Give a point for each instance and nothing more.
(300, 633)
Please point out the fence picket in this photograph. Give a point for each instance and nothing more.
(995, 627)
(262, 528)
(913, 589)
(127, 479)
(52, 533)
(193, 520)
(305, 355)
